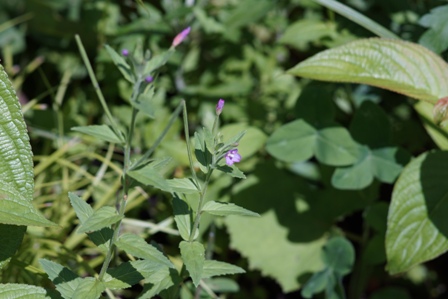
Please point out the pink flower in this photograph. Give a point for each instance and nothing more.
(232, 156)
(219, 106)
(181, 36)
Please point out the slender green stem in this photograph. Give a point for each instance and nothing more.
(123, 200)
(200, 204)
(96, 85)
(358, 18)
(187, 140)
(148, 153)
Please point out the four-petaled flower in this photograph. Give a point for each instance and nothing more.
(181, 36)
(219, 106)
(232, 156)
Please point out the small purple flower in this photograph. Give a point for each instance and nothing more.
(181, 36)
(219, 106)
(232, 156)
(125, 52)
(149, 79)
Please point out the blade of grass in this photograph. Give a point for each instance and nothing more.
(358, 18)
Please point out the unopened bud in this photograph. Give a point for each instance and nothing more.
(439, 112)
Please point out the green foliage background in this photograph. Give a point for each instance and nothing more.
(239, 51)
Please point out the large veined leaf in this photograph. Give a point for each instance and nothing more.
(417, 226)
(400, 66)
(22, 291)
(16, 165)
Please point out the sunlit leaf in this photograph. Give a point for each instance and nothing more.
(101, 218)
(193, 255)
(22, 291)
(225, 209)
(138, 247)
(102, 132)
(396, 65)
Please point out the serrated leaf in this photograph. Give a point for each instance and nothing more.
(217, 268)
(193, 256)
(138, 247)
(158, 61)
(202, 153)
(298, 141)
(225, 209)
(233, 171)
(101, 132)
(185, 185)
(144, 103)
(16, 210)
(88, 288)
(125, 275)
(436, 37)
(339, 255)
(82, 209)
(121, 64)
(16, 164)
(22, 291)
(183, 217)
(400, 66)
(101, 218)
(161, 280)
(65, 280)
(150, 175)
(417, 222)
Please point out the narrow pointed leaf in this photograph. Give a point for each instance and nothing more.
(101, 132)
(193, 255)
(22, 291)
(82, 209)
(150, 175)
(183, 217)
(216, 268)
(101, 218)
(184, 185)
(121, 63)
(64, 279)
(144, 104)
(160, 281)
(124, 276)
(400, 66)
(88, 288)
(417, 223)
(16, 210)
(138, 247)
(224, 209)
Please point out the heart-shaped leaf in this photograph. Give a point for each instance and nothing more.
(400, 66)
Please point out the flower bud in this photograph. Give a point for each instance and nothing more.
(125, 52)
(440, 110)
(181, 36)
(219, 106)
